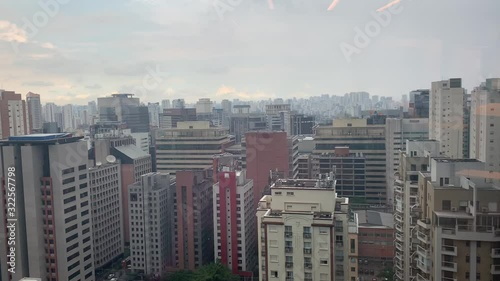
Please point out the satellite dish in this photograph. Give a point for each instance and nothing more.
(111, 159)
(98, 163)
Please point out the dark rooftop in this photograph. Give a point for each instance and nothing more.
(42, 138)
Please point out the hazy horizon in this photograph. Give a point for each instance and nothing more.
(241, 48)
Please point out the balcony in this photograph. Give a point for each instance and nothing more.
(307, 251)
(425, 224)
(289, 264)
(448, 279)
(399, 274)
(422, 252)
(308, 265)
(399, 246)
(495, 253)
(399, 237)
(495, 269)
(421, 278)
(449, 266)
(398, 266)
(398, 227)
(288, 249)
(399, 257)
(308, 279)
(449, 250)
(423, 266)
(288, 234)
(422, 237)
(398, 189)
(398, 218)
(307, 235)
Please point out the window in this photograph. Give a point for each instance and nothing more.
(323, 230)
(277, 193)
(290, 193)
(273, 258)
(467, 259)
(478, 259)
(323, 261)
(274, 274)
(446, 205)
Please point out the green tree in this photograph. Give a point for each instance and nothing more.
(387, 274)
(215, 272)
(183, 275)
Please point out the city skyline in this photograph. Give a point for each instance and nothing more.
(77, 54)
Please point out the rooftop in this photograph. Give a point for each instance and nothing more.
(42, 138)
(448, 160)
(374, 218)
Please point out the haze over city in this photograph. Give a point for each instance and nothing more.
(216, 49)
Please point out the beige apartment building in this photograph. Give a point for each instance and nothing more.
(305, 232)
(446, 218)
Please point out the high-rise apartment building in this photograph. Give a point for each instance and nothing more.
(397, 131)
(49, 111)
(193, 219)
(306, 233)
(240, 123)
(419, 104)
(458, 231)
(485, 124)
(150, 224)
(126, 109)
(305, 165)
(265, 152)
(293, 157)
(413, 159)
(53, 220)
(278, 117)
(34, 111)
(107, 218)
(14, 117)
(68, 118)
(154, 111)
(368, 140)
(301, 124)
(190, 146)
(446, 116)
(165, 104)
(235, 226)
(178, 103)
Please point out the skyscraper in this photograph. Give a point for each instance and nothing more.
(35, 111)
(485, 124)
(235, 224)
(68, 118)
(151, 240)
(154, 114)
(14, 117)
(193, 219)
(419, 104)
(446, 116)
(126, 109)
(53, 208)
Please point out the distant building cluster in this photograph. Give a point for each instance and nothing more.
(353, 187)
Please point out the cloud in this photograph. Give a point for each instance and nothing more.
(93, 87)
(47, 45)
(38, 84)
(12, 33)
(232, 93)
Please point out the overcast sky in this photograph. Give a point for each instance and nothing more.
(165, 49)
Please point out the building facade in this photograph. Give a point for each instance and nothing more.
(193, 219)
(446, 116)
(397, 131)
(368, 140)
(235, 223)
(53, 228)
(34, 111)
(126, 109)
(190, 146)
(306, 233)
(107, 218)
(485, 125)
(150, 224)
(12, 123)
